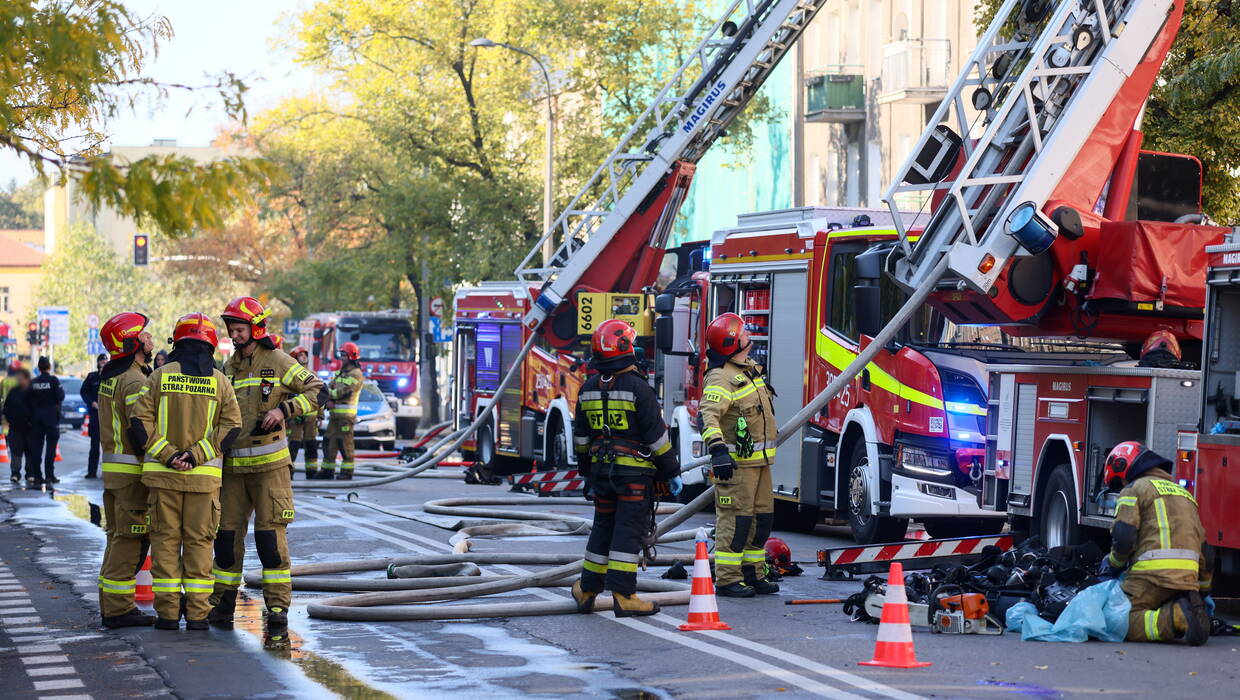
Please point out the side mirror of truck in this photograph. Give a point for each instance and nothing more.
(664, 331)
(867, 301)
(317, 348)
(664, 303)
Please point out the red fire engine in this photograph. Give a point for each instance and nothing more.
(533, 419)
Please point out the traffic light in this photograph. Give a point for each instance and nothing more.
(32, 333)
(141, 249)
(45, 333)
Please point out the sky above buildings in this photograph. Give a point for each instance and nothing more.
(210, 38)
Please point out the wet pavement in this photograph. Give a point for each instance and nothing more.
(52, 646)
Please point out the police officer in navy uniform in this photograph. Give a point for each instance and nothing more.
(46, 396)
(623, 450)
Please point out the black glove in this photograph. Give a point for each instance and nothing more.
(666, 467)
(722, 466)
(584, 466)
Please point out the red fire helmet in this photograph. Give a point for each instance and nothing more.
(613, 338)
(120, 333)
(1162, 341)
(248, 310)
(1121, 459)
(778, 551)
(300, 349)
(726, 335)
(350, 351)
(196, 326)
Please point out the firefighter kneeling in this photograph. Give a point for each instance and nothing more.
(623, 450)
(1157, 536)
(739, 429)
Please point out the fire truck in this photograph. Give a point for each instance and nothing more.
(389, 354)
(533, 419)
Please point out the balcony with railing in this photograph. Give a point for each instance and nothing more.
(917, 71)
(835, 94)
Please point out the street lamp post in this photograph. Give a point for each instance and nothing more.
(549, 154)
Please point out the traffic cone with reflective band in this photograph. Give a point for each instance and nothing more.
(4, 450)
(703, 610)
(86, 426)
(142, 591)
(894, 648)
(58, 457)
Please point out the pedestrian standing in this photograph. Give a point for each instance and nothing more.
(161, 358)
(186, 418)
(343, 393)
(303, 430)
(90, 394)
(739, 431)
(271, 387)
(119, 385)
(19, 415)
(46, 397)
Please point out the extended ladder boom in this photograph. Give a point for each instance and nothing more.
(654, 160)
(1041, 94)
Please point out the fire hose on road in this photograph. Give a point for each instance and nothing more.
(433, 593)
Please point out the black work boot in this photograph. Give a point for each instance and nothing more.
(345, 475)
(222, 612)
(631, 606)
(759, 586)
(736, 589)
(584, 598)
(311, 473)
(277, 621)
(1194, 609)
(133, 618)
(163, 623)
(326, 474)
(197, 624)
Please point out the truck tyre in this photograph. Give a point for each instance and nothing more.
(868, 528)
(485, 441)
(558, 447)
(793, 518)
(1057, 522)
(941, 528)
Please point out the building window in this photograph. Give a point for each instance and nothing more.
(4, 299)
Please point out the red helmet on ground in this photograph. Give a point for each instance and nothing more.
(120, 333)
(1120, 460)
(778, 551)
(248, 310)
(613, 338)
(195, 326)
(1161, 346)
(350, 351)
(726, 335)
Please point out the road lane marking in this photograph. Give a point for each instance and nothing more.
(59, 684)
(786, 675)
(45, 659)
(51, 671)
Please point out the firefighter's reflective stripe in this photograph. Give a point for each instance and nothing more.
(251, 381)
(121, 463)
(1167, 488)
(714, 392)
(660, 446)
(1151, 625)
(1166, 565)
(166, 585)
(118, 587)
(612, 396)
(259, 454)
(729, 558)
(291, 374)
(1163, 554)
(303, 404)
(712, 432)
(209, 469)
(227, 578)
(277, 575)
(840, 357)
(612, 404)
(346, 466)
(581, 444)
(760, 449)
(133, 398)
(1164, 528)
(197, 585)
(350, 410)
(1125, 501)
(625, 566)
(595, 567)
(754, 556)
(258, 449)
(208, 450)
(627, 461)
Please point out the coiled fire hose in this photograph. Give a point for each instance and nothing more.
(392, 605)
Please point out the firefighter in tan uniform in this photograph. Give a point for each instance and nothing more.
(303, 430)
(124, 497)
(739, 430)
(271, 387)
(186, 416)
(343, 393)
(1158, 538)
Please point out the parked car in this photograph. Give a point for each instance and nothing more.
(375, 428)
(73, 410)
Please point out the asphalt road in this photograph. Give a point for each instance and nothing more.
(52, 646)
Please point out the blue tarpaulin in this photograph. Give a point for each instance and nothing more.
(1100, 612)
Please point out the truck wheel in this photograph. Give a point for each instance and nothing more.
(868, 528)
(558, 448)
(1057, 523)
(941, 528)
(485, 440)
(789, 516)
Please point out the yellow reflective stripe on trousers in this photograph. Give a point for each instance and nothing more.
(205, 470)
(840, 357)
(593, 567)
(198, 585)
(118, 587)
(753, 556)
(226, 577)
(1164, 527)
(625, 566)
(166, 585)
(728, 557)
(277, 576)
(1151, 625)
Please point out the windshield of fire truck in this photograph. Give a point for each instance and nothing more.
(386, 347)
(925, 326)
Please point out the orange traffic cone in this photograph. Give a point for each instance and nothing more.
(4, 450)
(142, 591)
(703, 610)
(58, 457)
(894, 648)
(86, 426)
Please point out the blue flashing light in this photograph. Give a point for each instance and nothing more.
(324, 373)
(1031, 232)
(402, 382)
(81, 409)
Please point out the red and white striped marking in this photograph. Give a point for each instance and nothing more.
(915, 550)
(540, 477)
